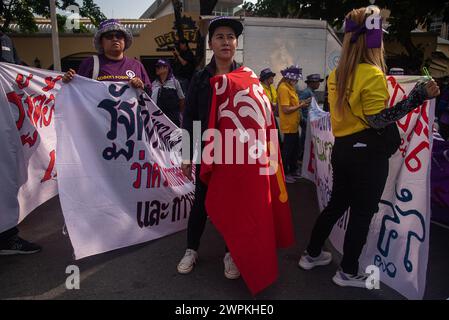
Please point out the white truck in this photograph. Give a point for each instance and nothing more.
(278, 43)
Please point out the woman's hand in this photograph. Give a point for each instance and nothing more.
(432, 89)
(68, 76)
(306, 103)
(137, 83)
(187, 170)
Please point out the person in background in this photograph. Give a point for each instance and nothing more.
(8, 50)
(289, 116)
(313, 82)
(266, 79)
(167, 92)
(184, 66)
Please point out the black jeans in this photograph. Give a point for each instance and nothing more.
(8, 234)
(198, 214)
(360, 171)
(303, 125)
(290, 152)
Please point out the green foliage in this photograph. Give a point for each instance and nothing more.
(23, 12)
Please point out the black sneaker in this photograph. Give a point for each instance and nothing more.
(17, 245)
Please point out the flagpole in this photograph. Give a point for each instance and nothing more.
(55, 37)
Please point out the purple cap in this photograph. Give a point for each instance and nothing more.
(162, 62)
(292, 73)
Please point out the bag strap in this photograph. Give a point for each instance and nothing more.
(96, 68)
(178, 87)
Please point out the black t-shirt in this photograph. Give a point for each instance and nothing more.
(186, 71)
(8, 51)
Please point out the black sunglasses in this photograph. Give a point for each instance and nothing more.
(112, 35)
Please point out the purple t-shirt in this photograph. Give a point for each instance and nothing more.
(115, 70)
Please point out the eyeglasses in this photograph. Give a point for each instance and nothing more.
(112, 35)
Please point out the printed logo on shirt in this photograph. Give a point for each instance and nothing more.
(112, 78)
(6, 48)
(131, 74)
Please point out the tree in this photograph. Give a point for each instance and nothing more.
(23, 13)
(405, 16)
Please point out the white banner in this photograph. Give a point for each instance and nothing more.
(119, 179)
(398, 240)
(27, 141)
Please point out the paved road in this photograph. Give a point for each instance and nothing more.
(148, 271)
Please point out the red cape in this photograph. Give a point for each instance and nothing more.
(248, 206)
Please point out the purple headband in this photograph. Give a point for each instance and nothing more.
(373, 35)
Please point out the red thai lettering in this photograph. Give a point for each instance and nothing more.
(51, 166)
(311, 159)
(16, 99)
(26, 139)
(47, 121)
(138, 167)
(23, 82)
(397, 88)
(51, 82)
(413, 162)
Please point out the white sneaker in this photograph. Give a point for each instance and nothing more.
(289, 179)
(307, 262)
(230, 269)
(187, 262)
(348, 280)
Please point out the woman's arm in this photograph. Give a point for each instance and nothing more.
(420, 93)
(291, 109)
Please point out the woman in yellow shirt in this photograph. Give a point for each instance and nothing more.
(357, 97)
(289, 117)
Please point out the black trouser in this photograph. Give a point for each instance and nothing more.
(290, 152)
(8, 234)
(303, 124)
(359, 177)
(198, 214)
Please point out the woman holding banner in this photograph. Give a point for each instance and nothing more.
(111, 40)
(357, 97)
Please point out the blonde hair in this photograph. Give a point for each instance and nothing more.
(355, 53)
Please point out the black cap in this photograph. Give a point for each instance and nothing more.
(234, 24)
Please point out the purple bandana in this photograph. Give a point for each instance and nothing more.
(373, 34)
